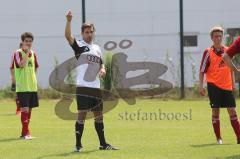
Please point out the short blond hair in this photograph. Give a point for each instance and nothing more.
(216, 29)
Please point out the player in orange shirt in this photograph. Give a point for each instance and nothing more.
(220, 83)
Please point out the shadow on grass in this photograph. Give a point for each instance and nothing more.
(67, 154)
(10, 139)
(208, 145)
(233, 157)
(9, 114)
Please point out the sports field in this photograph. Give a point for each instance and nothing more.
(139, 131)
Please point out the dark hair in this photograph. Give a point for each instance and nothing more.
(20, 45)
(27, 35)
(87, 25)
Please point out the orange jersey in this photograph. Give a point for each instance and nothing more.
(218, 73)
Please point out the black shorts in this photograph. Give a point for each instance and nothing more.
(220, 98)
(88, 103)
(28, 99)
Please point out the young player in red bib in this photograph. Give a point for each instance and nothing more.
(25, 66)
(220, 83)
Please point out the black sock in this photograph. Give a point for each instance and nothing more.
(100, 131)
(79, 131)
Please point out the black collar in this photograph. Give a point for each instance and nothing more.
(218, 52)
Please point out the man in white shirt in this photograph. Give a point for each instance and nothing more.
(91, 68)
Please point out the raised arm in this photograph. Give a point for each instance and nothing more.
(68, 33)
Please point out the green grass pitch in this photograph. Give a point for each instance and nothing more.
(139, 135)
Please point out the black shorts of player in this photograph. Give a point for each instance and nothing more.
(220, 98)
(86, 102)
(28, 99)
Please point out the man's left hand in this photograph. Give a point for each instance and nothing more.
(102, 72)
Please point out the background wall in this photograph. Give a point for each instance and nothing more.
(152, 26)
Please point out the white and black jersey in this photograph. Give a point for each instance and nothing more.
(90, 58)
